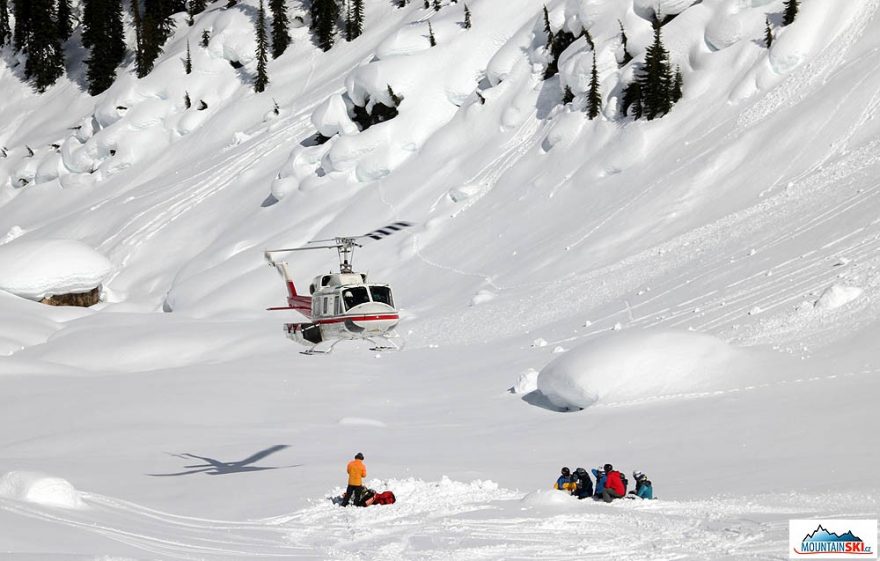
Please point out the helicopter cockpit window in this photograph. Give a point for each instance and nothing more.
(354, 296)
(381, 294)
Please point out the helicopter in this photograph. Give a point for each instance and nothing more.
(340, 306)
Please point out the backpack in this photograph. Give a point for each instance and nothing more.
(386, 498)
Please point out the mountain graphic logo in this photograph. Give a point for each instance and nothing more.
(822, 541)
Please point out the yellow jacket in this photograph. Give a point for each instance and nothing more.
(356, 472)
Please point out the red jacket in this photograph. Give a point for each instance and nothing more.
(613, 482)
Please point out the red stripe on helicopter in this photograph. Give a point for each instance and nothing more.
(339, 319)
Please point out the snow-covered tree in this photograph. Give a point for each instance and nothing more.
(280, 27)
(768, 34)
(262, 51)
(431, 39)
(790, 11)
(156, 28)
(594, 97)
(467, 17)
(197, 6)
(436, 5)
(206, 38)
(677, 83)
(567, 95)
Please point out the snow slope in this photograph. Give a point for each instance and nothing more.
(739, 233)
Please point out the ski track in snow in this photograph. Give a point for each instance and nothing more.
(461, 521)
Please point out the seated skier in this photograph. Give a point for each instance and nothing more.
(599, 474)
(644, 489)
(583, 484)
(565, 482)
(614, 488)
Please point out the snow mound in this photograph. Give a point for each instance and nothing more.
(836, 296)
(38, 268)
(630, 366)
(549, 498)
(40, 489)
(361, 422)
(527, 382)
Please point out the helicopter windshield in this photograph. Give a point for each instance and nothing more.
(355, 296)
(381, 294)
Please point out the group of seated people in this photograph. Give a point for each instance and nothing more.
(610, 484)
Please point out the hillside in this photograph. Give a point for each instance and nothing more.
(699, 292)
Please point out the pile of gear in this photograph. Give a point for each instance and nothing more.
(610, 484)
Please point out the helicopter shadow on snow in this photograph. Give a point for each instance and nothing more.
(218, 467)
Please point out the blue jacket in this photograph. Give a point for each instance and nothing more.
(646, 491)
(600, 481)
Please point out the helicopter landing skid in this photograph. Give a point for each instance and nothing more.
(322, 348)
(386, 345)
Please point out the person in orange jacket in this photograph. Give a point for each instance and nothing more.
(356, 473)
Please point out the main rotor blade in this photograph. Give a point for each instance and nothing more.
(386, 230)
(303, 248)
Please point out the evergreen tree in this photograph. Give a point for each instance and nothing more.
(395, 99)
(187, 102)
(24, 13)
(401, 3)
(197, 6)
(594, 97)
(567, 95)
(5, 30)
(156, 28)
(632, 97)
(139, 60)
(427, 5)
(206, 38)
(188, 61)
(45, 61)
(324, 15)
(431, 38)
(262, 51)
(467, 17)
(790, 12)
(190, 16)
(64, 20)
(547, 29)
(626, 56)
(280, 27)
(677, 83)
(437, 5)
(656, 80)
(559, 41)
(768, 34)
(103, 34)
(354, 19)
(589, 39)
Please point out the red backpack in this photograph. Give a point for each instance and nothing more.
(386, 498)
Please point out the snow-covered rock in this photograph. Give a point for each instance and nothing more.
(35, 269)
(40, 489)
(637, 365)
(836, 296)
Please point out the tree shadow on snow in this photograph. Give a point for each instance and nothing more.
(217, 467)
(538, 399)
